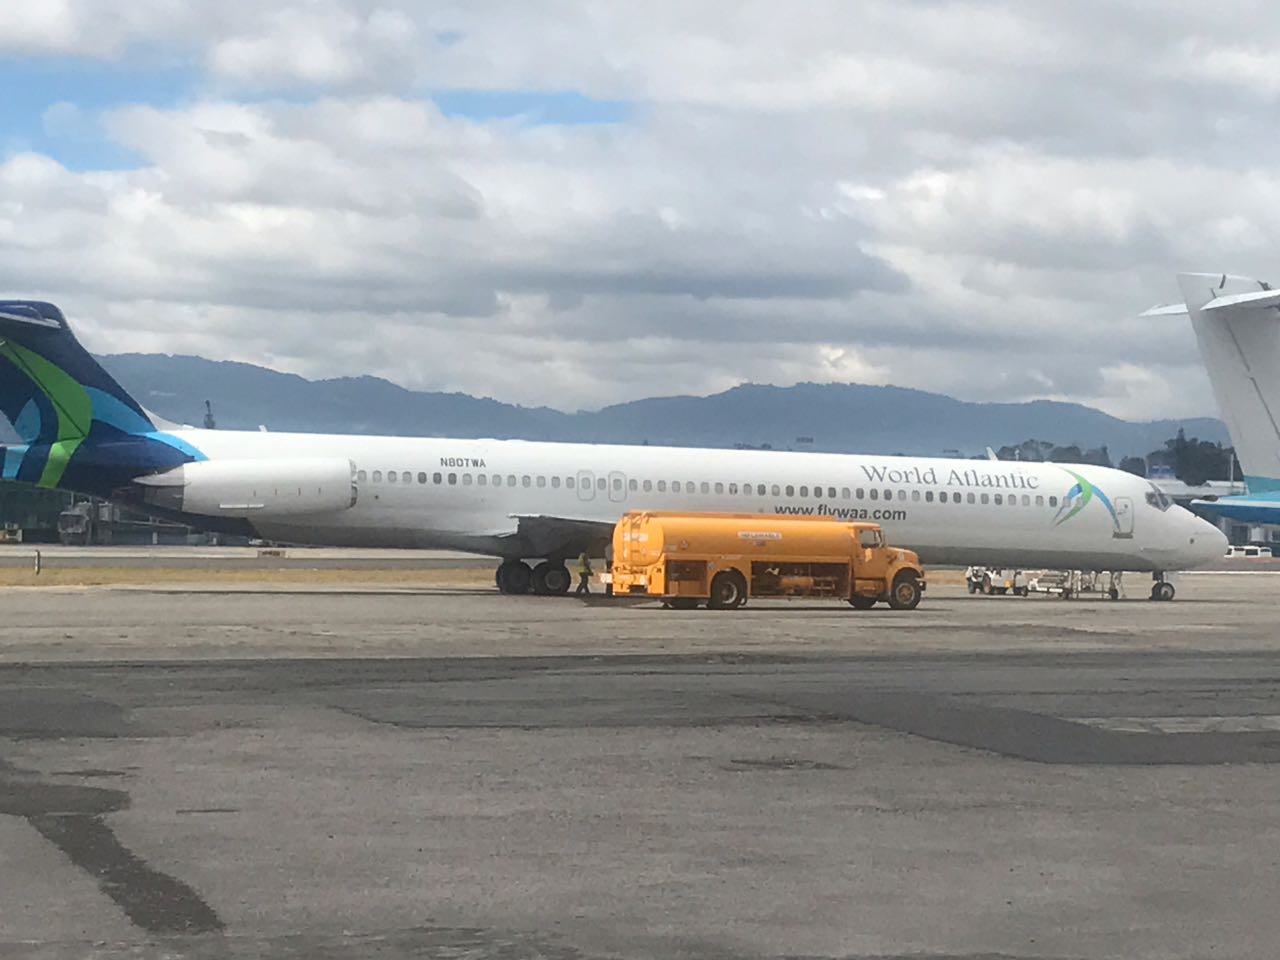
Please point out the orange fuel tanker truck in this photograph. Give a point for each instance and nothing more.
(722, 559)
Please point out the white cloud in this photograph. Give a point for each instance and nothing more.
(968, 197)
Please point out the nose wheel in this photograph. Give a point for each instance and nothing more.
(1162, 589)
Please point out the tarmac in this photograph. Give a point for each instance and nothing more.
(364, 769)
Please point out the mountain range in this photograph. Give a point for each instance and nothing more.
(831, 417)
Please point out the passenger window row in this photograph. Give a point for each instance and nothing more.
(704, 487)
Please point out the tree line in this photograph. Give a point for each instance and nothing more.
(1191, 460)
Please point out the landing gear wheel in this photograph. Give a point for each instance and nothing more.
(551, 579)
(1113, 593)
(1162, 590)
(986, 585)
(863, 603)
(728, 591)
(514, 576)
(906, 592)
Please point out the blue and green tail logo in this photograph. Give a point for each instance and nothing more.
(80, 429)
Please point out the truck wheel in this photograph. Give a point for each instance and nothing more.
(906, 592)
(728, 592)
(862, 603)
(986, 585)
(973, 585)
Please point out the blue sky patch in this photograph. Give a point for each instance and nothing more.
(535, 107)
(78, 91)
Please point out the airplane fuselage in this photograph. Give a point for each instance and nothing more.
(470, 494)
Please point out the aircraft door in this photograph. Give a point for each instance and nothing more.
(1124, 518)
(586, 485)
(617, 486)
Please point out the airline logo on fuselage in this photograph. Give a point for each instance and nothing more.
(477, 462)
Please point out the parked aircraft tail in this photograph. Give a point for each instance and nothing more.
(81, 429)
(1237, 325)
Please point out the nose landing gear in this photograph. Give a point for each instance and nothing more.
(1161, 589)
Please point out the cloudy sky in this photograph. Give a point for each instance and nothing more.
(574, 203)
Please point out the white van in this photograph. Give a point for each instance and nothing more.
(1249, 550)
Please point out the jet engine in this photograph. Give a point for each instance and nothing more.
(254, 488)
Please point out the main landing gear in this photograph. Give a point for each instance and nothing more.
(1161, 589)
(550, 578)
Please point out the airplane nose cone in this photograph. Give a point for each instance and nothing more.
(1206, 544)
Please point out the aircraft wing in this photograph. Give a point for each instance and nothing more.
(1246, 508)
(545, 536)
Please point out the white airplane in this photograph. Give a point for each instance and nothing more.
(1237, 325)
(522, 501)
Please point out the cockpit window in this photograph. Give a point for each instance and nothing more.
(1158, 498)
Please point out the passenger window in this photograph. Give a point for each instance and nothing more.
(942, 497)
(720, 487)
(1039, 501)
(617, 483)
(804, 491)
(648, 485)
(875, 494)
(497, 479)
(391, 476)
(570, 482)
(775, 490)
(675, 486)
(928, 496)
(986, 499)
(377, 476)
(844, 493)
(555, 483)
(791, 491)
(361, 476)
(600, 483)
(860, 493)
(915, 496)
(888, 494)
(1053, 501)
(733, 488)
(817, 493)
(437, 478)
(831, 493)
(466, 479)
(705, 487)
(511, 479)
(542, 482)
(971, 498)
(760, 489)
(407, 477)
(422, 478)
(662, 486)
(526, 480)
(482, 479)
(1026, 500)
(997, 499)
(633, 486)
(453, 479)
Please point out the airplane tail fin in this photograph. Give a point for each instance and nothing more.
(65, 406)
(1237, 326)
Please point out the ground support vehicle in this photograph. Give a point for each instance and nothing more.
(996, 580)
(1076, 583)
(724, 559)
